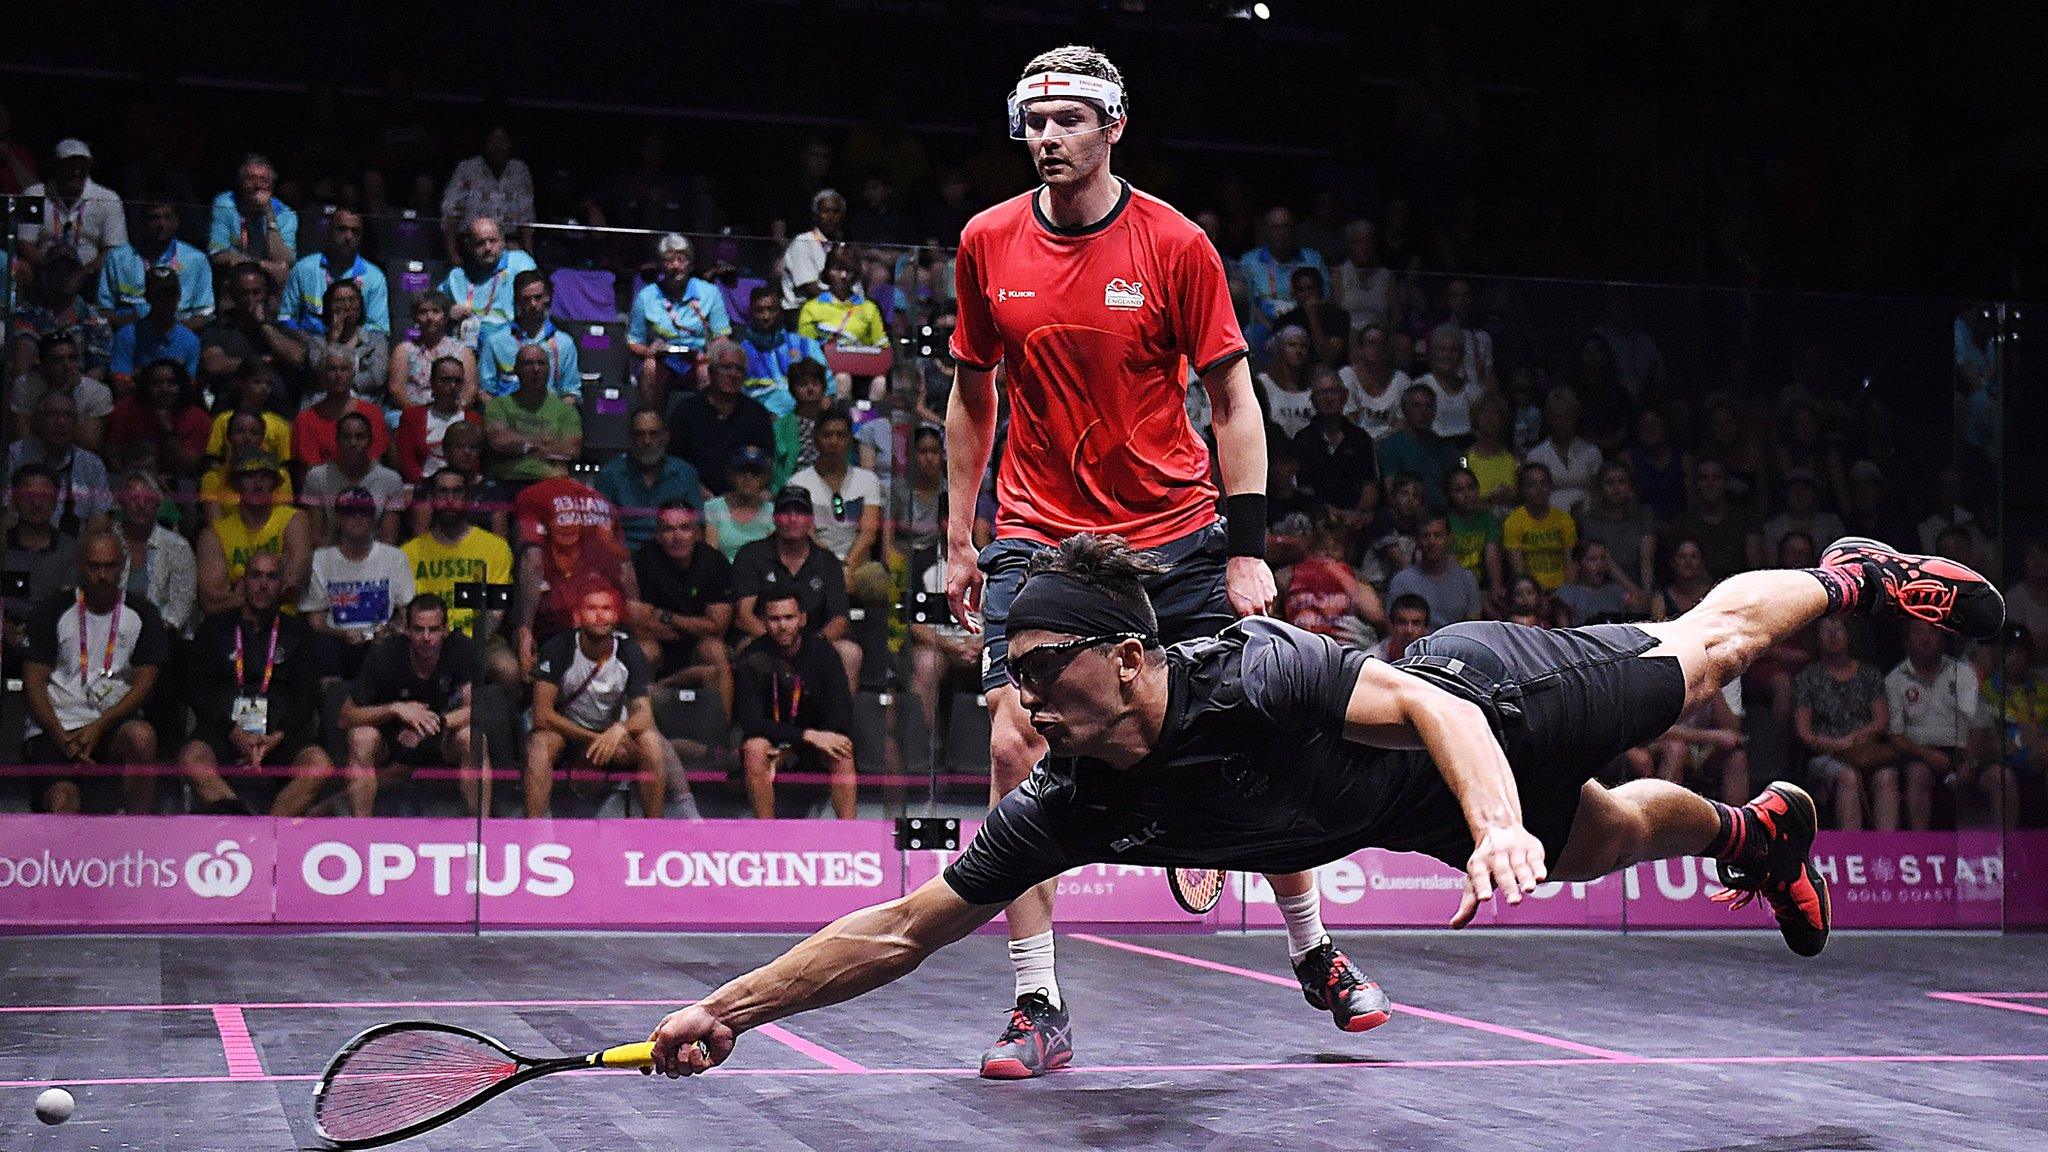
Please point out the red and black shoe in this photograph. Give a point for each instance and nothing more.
(1787, 879)
(1329, 982)
(1038, 1040)
(1931, 588)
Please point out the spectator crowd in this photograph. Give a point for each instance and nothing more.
(323, 533)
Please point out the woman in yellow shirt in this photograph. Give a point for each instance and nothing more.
(841, 314)
(252, 394)
(1491, 459)
(244, 435)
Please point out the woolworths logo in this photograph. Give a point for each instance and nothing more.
(220, 874)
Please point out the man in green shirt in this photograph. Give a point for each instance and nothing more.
(1476, 536)
(533, 433)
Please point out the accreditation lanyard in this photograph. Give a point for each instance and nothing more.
(113, 634)
(489, 288)
(690, 307)
(796, 697)
(269, 658)
(70, 221)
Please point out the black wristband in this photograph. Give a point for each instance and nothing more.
(1244, 530)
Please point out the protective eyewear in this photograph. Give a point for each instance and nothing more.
(1042, 665)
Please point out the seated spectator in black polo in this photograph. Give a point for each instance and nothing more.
(1336, 455)
(409, 708)
(359, 586)
(707, 425)
(254, 685)
(686, 604)
(37, 547)
(645, 477)
(792, 558)
(590, 707)
(793, 707)
(1731, 537)
(92, 663)
(245, 328)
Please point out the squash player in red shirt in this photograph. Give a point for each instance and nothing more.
(1095, 298)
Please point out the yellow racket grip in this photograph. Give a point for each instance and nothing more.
(639, 1055)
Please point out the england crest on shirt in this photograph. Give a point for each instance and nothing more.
(1122, 293)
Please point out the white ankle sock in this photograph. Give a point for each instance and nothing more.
(1304, 915)
(1031, 959)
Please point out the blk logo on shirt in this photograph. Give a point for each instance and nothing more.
(1122, 293)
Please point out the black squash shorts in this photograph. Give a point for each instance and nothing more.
(1564, 702)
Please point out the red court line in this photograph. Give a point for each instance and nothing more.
(1424, 1013)
(1154, 1069)
(1988, 1002)
(1998, 995)
(243, 1062)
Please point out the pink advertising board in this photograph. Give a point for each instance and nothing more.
(177, 872)
(1877, 880)
(119, 871)
(602, 873)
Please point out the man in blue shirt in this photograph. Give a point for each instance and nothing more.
(156, 245)
(481, 285)
(771, 349)
(1414, 449)
(157, 335)
(672, 320)
(1270, 269)
(645, 478)
(530, 325)
(306, 291)
(249, 224)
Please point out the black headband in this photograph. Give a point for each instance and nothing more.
(1054, 602)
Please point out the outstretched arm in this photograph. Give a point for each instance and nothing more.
(1392, 709)
(853, 955)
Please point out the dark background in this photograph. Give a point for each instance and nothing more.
(1794, 145)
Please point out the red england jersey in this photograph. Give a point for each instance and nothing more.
(540, 505)
(1096, 327)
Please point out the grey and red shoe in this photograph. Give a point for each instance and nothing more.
(1038, 1040)
(1330, 982)
(1796, 891)
(1930, 588)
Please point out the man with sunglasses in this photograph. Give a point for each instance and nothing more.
(1267, 748)
(846, 499)
(1098, 301)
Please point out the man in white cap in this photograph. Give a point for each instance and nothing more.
(81, 219)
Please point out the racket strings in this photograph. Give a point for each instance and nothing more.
(400, 1079)
(1199, 887)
